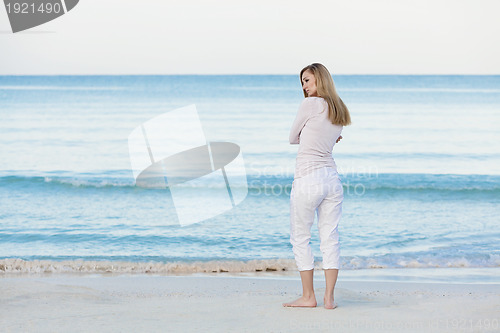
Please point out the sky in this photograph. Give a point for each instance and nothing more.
(259, 37)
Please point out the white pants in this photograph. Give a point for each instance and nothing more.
(320, 191)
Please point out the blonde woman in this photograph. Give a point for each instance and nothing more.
(316, 186)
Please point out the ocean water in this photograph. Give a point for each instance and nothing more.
(420, 168)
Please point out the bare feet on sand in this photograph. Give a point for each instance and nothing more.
(303, 302)
(329, 304)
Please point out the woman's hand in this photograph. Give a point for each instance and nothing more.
(338, 139)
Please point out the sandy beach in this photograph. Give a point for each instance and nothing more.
(218, 303)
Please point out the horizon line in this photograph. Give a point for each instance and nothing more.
(253, 74)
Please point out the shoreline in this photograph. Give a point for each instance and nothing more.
(227, 303)
(273, 268)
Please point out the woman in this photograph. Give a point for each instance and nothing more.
(316, 186)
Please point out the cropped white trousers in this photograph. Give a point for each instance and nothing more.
(317, 192)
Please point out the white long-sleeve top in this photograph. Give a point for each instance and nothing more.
(316, 136)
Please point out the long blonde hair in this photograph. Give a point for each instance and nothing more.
(337, 110)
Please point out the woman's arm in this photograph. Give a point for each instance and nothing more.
(300, 121)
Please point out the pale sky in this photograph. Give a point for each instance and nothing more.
(259, 37)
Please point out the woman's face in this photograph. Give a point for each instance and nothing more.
(309, 84)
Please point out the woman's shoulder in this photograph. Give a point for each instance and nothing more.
(314, 102)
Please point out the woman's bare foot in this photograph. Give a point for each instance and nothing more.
(304, 302)
(329, 304)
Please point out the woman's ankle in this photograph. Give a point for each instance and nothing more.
(328, 295)
(308, 296)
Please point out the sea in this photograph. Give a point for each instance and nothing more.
(420, 166)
